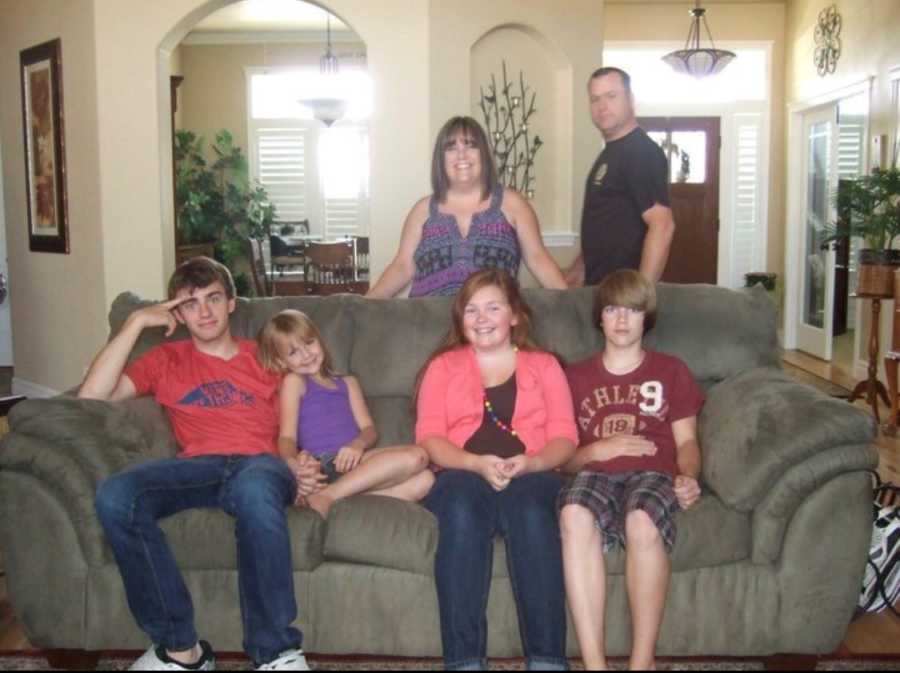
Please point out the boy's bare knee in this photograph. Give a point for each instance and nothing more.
(576, 521)
(640, 529)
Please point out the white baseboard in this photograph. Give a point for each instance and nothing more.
(560, 239)
(32, 390)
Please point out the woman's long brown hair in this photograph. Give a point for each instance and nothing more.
(456, 338)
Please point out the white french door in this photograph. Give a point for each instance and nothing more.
(815, 321)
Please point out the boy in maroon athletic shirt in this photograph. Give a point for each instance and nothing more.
(637, 464)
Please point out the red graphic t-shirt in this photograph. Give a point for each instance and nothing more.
(644, 402)
(216, 406)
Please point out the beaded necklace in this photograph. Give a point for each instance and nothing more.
(489, 408)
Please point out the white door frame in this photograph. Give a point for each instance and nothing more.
(814, 340)
(6, 349)
(795, 230)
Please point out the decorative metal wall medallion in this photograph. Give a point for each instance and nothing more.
(828, 41)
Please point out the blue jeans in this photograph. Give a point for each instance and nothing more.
(470, 513)
(255, 490)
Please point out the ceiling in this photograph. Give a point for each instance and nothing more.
(268, 16)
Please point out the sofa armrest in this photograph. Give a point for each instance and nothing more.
(775, 513)
(68, 446)
(756, 426)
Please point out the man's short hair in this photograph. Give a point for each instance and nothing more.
(603, 72)
(628, 288)
(198, 273)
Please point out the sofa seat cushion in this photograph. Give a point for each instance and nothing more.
(388, 533)
(204, 539)
(382, 532)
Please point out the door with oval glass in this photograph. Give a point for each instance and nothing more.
(692, 146)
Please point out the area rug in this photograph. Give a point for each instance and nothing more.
(35, 662)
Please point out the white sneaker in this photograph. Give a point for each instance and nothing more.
(289, 660)
(151, 661)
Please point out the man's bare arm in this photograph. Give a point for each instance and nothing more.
(660, 231)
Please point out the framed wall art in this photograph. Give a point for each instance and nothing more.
(45, 159)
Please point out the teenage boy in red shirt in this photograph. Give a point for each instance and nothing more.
(223, 408)
(637, 464)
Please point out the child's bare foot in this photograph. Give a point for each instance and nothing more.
(321, 503)
(635, 665)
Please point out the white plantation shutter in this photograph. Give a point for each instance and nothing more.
(344, 171)
(342, 218)
(282, 168)
(747, 253)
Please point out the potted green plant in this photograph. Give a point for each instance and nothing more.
(217, 207)
(869, 208)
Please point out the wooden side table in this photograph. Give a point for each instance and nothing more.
(872, 388)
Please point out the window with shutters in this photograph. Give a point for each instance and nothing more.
(311, 171)
(747, 255)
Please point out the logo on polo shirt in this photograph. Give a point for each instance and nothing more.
(217, 395)
(600, 175)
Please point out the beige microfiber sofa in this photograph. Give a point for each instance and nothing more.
(770, 560)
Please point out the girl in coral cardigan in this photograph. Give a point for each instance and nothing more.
(495, 415)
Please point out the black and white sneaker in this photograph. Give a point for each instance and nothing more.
(290, 660)
(156, 659)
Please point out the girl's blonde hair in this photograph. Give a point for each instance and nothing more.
(290, 324)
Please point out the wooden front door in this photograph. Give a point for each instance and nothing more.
(692, 145)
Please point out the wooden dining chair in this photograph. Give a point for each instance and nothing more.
(285, 255)
(261, 283)
(331, 269)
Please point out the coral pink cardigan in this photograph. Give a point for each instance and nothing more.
(451, 400)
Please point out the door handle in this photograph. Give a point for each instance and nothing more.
(3, 290)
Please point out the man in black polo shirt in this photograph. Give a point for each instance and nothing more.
(626, 221)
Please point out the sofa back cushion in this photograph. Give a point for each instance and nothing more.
(385, 343)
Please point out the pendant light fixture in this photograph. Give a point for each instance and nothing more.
(327, 109)
(694, 60)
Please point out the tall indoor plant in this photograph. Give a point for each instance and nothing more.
(869, 208)
(216, 204)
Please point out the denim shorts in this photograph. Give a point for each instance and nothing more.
(326, 460)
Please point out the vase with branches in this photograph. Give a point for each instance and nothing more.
(507, 116)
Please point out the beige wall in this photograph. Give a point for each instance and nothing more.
(58, 301)
(871, 48)
(213, 95)
(728, 22)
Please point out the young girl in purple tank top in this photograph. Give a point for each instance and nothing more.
(327, 434)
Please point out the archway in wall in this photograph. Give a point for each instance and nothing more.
(536, 71)
(242, 67)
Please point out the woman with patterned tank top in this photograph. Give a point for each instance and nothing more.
(470, 222)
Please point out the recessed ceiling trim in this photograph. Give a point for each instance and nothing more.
(280, 36)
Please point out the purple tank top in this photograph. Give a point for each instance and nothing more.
(325, 422)
(444, 259)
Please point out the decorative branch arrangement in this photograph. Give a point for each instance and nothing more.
(506, 118)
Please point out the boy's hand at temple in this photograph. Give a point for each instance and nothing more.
(348, 458)
(687, 490)
(159, 315)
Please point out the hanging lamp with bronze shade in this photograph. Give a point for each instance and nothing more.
(695, 60)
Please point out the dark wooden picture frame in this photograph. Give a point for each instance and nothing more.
(45, 158)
